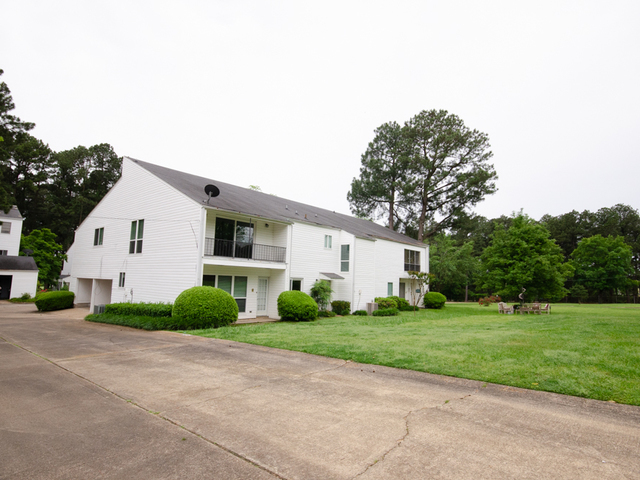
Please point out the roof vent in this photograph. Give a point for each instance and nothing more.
(287, 207)
(211, 191)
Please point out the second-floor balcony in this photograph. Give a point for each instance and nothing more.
(215, 247)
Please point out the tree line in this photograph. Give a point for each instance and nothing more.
(423, 177)
(54, 190)
(579, 256)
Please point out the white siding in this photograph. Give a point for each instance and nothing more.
(169, 259)
(365, 273)
(22, 282)
(11, 241)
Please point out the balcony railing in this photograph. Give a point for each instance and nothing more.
(215, 247)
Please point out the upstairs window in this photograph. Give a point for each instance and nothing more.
(98, 236)
(344, 258)
(6, 227)
(327, 241)
(135, 241)
(411, 261)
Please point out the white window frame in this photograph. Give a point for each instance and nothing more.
(344, 262)
(98, 237)
(5, 227)
(296, 280)
(328, 242)
(135, 239)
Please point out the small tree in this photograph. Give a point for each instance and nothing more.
(419, 284)
(321, 293)
(47, 254)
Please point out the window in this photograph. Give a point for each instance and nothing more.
(121, 280)
(411, 261)
(135, 241)
(344, 258)
(296, 285)
(98, 236)
(233, 238)
(6, 227)
(327, 241)
(389, 289)
(240, 293)
(4, 252)
(208, 280)
(235, 286)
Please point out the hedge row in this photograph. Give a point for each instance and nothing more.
(49, 301)
(149, 323)
(140, 309)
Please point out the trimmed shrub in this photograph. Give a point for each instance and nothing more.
(140, 309)
(341, 307)
(145, 322)
(50, 301)
(326, 313)
(205, 307)
(403, 304)
(385, 312)
(362, 313)
(434, 300)
(386, 302)
(297, 306)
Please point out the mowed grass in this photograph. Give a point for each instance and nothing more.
(589, 351)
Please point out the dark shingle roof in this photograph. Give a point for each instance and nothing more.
(250, 202)
(12, 262)
(13, 213)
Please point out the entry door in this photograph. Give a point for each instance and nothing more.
(5, 286)
(263, 289)
(401, 293)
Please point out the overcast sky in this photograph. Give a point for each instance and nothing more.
(286, 94)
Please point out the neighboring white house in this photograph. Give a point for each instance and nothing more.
(157, 233)
(18, 275)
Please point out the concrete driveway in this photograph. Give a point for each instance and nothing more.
(84, 400)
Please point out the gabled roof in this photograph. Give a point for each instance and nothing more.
(261, 205)
(13, 262)
(13, 213)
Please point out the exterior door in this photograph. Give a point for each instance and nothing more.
(5, 286)
(263, 290)
(401, 294)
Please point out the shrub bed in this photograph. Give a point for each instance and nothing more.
(434, 300)
(50, 301)
(140, 309)
(326, 314)
(385, 312)
(205, 307)
(403, 304)
(341, 307)
(146, 322)
(385, 302)
(297, 306)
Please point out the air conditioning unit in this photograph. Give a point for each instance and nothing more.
(98, 309)
(371, 307)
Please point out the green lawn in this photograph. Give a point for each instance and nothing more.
(590, 351)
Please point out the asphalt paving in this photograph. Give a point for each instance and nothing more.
(86, 400)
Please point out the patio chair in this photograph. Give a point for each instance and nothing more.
(504, 308)
(546, 308)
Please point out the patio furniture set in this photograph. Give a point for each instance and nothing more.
(526, 308)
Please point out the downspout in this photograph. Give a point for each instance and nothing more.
(200, 246)
(353, 275)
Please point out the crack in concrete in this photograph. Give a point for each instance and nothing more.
(151, 412)
(323, 371)
(399, 442)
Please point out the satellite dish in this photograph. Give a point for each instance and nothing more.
(211, 191)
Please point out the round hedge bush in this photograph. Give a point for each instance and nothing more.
(297, 306)
(434, 300)
(205, 307)
(49, 301)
